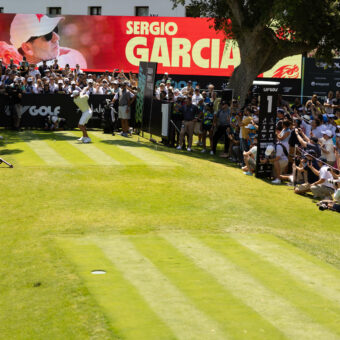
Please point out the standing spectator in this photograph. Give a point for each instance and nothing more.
(244, 133)
(316, 129)
(327, 147)
(187, 89)
(125, 98)
(336, 103)
(222, 123)
(29, 88)
(207, 126)
(329, 102)
(2, 68)
(212, 95)
(189, 112)
(15, 98)
(197, 97)
(55, 66)
(284, 135)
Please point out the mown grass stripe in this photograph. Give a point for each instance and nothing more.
(127, 312)
(279, 281)
(43, 150)
(59, 142)
(17, 152)
(108, 144)
(91, 151)
(150, 155)
(234, 317)
(165, 299)
(319, 276)
(269, 305)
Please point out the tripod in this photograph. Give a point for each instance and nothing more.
(3, 161)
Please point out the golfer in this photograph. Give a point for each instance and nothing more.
(81, 99)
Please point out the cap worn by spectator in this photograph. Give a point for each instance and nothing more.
(90, 81)
(60, 82)
(327, 133)
(73, 82)
(306, 118)
(270, 149)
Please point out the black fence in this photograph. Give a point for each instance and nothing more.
(36, 107)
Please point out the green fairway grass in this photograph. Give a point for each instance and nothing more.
(192, 248)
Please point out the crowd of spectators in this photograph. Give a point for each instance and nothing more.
(307, 152)
(308, 134)
(52, 79)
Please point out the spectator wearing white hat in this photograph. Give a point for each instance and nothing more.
(90, 89)
(278, 156)
(81, 99)
(29, 88)
(73, 87)
(327, 147)
(36, 37)
(104, 88)
(60, 89)
(322, 188)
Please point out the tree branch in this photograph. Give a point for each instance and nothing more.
(236, 8)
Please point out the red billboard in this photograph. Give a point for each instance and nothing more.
(188, 46)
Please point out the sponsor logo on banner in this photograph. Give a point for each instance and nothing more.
(41, 110)
(313, 83)
(287, 71)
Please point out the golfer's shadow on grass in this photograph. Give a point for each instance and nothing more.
(10, 152)
(162, 148)
(49, 135)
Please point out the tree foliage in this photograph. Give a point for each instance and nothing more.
(306, 25)
(269, 30)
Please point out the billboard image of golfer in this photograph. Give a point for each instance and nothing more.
(36, 36)
(180, 46)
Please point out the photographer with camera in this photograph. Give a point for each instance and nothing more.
(278, 156)
(307, 174)
(14, 93)
(323, 187)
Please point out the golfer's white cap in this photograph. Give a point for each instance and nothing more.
(75, 93)
(90, 81)
(269, 150)
(25, 26)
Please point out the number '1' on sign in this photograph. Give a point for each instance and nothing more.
(270, 104)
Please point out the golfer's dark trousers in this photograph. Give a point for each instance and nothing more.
(221, 131)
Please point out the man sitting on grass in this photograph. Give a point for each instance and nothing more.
(322, 188)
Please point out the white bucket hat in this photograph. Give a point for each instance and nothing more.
(26, 26)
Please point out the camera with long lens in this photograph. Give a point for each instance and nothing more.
(323, 207)
(333, 181)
